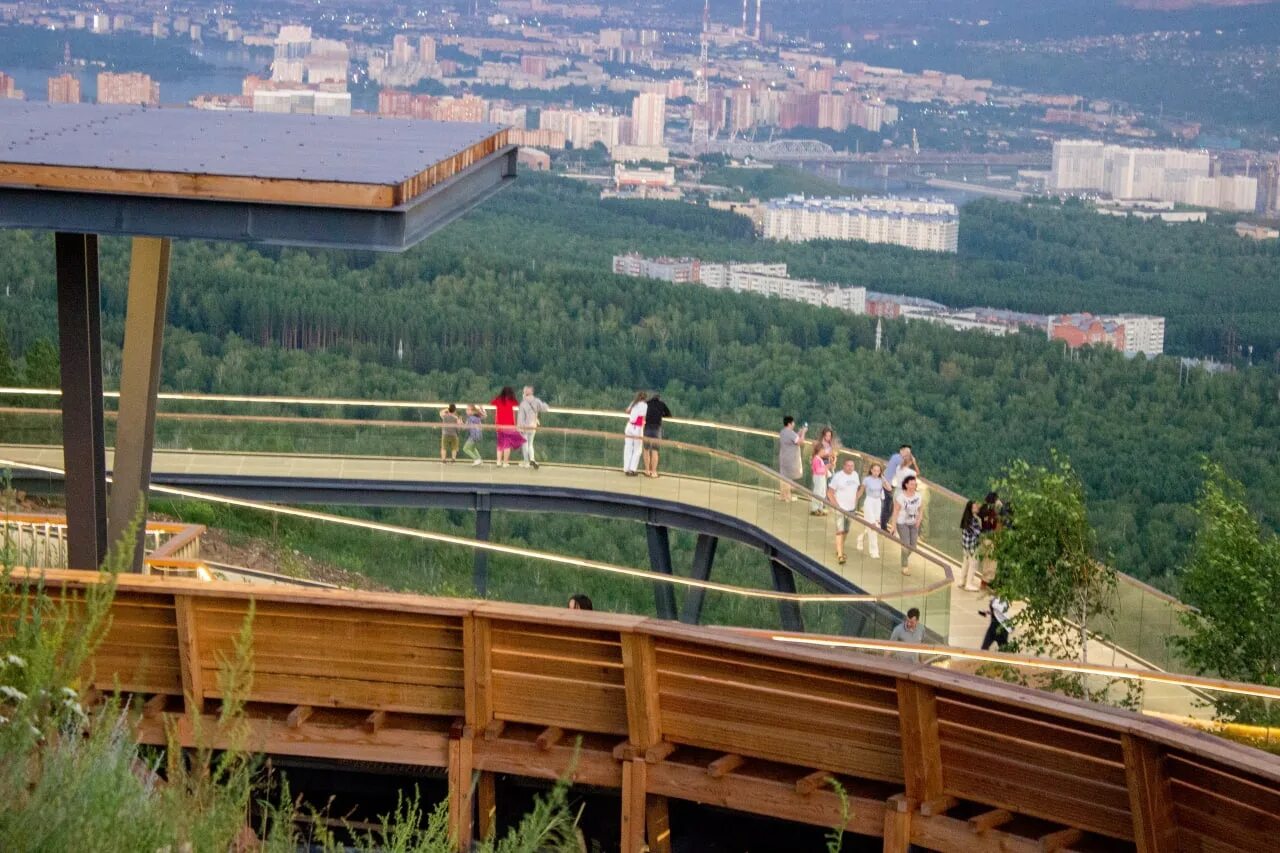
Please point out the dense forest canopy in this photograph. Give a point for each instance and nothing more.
(520, 291)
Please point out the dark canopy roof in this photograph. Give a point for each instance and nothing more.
(346, 182)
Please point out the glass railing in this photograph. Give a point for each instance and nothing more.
(1144, 619)
(692, 476)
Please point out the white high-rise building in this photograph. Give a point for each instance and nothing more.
(1143, 333)
(1165, 174)
(583, 129)
(649, 119)
(917, 224)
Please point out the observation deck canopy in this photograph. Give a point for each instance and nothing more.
(328, 181)
(154, 175)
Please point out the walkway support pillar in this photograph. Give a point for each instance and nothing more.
(704, 557)
(480, 571)
(83, 443)
(788, 611)
(139, 383)
(659, 538)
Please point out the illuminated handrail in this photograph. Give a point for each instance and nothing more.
(938, 560)
(509, 550)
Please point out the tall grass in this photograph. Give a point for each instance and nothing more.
(73, 778)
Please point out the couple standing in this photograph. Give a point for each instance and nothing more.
(643, 434)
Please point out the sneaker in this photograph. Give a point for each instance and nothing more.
(906, 571)
(524, 464)
(534, 463)
(478, 462)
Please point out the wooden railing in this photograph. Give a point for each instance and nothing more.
(658, 710)
(39, 539)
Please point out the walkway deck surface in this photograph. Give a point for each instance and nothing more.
(790, 522)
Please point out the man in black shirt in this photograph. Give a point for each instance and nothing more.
(653, 433)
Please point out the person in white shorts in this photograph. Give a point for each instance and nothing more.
(842, 490)
(872, 491)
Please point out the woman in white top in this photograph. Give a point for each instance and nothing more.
(633, 446)
(909, 517)
(872, 491)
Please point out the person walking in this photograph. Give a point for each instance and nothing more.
(873, 490)
(822, 465)
(450, 419)
(504, 416)
(633, 445)
(653, 418)
(999, 626)
(528, 416)
(789, 466)
(908, 631)
(909, 517)
(890, 475)
(992, 516)
(471, 447)
(842, 490)
(970, 533)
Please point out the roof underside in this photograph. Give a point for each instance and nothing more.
(362, 183)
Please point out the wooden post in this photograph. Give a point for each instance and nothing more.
(487, 797)
(1149, 799)
(640, 676)
(80, 351)
(477, 663)
(658, 824)
(460, 790)
(897, 825)
(921, 748)
(634, 782)
(189, 655)
(139, 383)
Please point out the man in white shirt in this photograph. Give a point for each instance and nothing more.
(842, 490)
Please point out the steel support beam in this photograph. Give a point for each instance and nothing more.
(788, 611)
(139, 382)
(664, 596)
(704, 557)
(480, 571)
(83, 445)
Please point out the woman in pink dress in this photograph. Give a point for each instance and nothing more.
(509, 438)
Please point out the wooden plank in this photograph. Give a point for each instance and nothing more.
(549, 737)
(1150, 800)
(299, 715)
(461, 765)
(526, 698)
(523, 758)
(814, 748)
(333, 743)
(1223, 781)
(659, 752)
(987, 821)
(921, 747)
(807, 785)
(487, 805)
(1041, 752)
(770, 797)
(644, 718)
(657, 824)
(1060, 840)
(1032, 796)
(154, 706)
(375, 721)
(181, 185)
(897, 824)
(634, 792)
(724, 765)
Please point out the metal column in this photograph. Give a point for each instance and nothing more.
(788, 611)
(704, 557)
(664, 597)
(83, 446)
(480, 571)
(139, 382)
